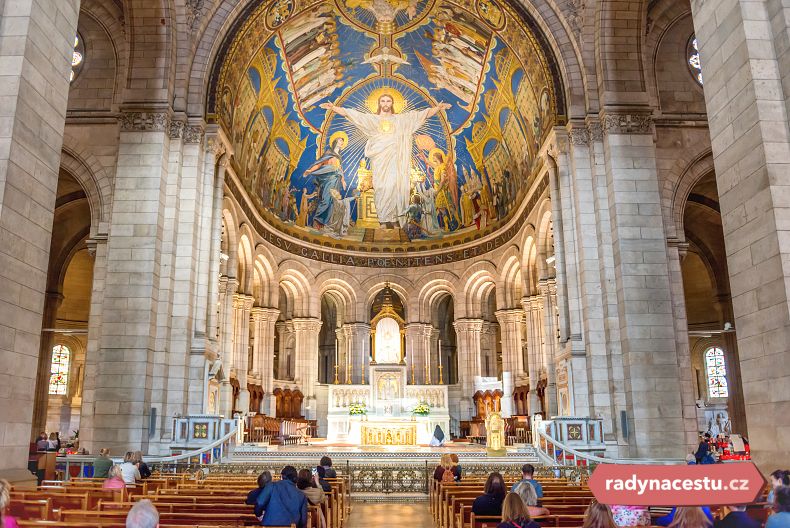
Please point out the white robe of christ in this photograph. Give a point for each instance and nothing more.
(388, 147)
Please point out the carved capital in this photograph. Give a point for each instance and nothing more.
(176, 129)
(627, 124)
(193, 134)
(145, 121)
(194, 13)
(215, 145)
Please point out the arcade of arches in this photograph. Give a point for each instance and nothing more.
(209, 210)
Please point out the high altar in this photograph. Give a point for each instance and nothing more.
(388, 399)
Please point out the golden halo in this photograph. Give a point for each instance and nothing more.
(336, 135)
(435, 151)
(398, 102)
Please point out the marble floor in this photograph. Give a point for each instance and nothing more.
(390, 515)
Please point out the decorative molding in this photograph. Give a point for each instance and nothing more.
(194, 13)
(176, 129)
(627, 124)
(574, 10)
(145, 121)
(215, 145)
(579, 136)
(193, 134)
(595, 131)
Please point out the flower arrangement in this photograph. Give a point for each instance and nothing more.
(422, 409)
(357, 409)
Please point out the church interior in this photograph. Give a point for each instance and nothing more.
(238, 234)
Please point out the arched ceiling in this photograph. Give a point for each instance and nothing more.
(362, 181)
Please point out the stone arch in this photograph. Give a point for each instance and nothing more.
(510, 281)
(265, 271)
(343, 288)
(544, 243)
(400, 285)
(110, 16)
(684, 176)
(295, 280)
(92, 177)
(615, 74)
(230, 239)
(477, 284)
(245, 259)
(151, 30)
(434, 286)
(663, 15)
(529, 267)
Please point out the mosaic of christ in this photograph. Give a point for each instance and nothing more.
(385, 121)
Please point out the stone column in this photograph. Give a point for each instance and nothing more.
(510, 323)
(242, 304)
(286, 329)
(641, 272)
(263, 321)
(468, 333)
(38, 40)
(227, 288)
(533, 308)
(358, 346)
(52, 302)
(415, 353)
(212, 325)
(306, 331)
(744, 60)
(548, 290)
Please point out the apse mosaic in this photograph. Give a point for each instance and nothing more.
(385, 121)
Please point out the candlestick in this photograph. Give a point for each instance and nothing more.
(411, 362)
(337, 371)
(441, 380)
(427, 363)
(348, 367)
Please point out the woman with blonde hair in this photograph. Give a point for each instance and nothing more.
(529, 495)
(515, 513)
(142, 467)
(690, 517)
(598, 516)
(6, 521)
(444, 463)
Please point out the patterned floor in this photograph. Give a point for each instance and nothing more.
(390, 515)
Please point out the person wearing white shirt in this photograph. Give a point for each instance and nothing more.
(129, 470)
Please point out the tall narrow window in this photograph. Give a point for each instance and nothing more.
(59, 370)
(717, 373)
(692, 52)
(77, 58)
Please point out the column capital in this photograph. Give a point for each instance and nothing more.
(134, 120)
(532, 302)
(259, 313)
(242, 300)
(510, 316)
(626, 121)
(308, 324)
(468, 325)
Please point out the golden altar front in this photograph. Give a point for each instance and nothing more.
(389, 433)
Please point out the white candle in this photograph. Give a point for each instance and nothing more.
(440, 352)
(337, 356)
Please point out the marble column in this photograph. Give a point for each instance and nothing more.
(242, 304)
(286, 358)
(263, 322)
(510, 323)
(468, 333)
(548, 289)
(533, 308)
(341, 357)
(358, 339)
(228, 287)
(306, 331)
(415, 350)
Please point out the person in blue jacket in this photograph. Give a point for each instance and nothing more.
(281, 503)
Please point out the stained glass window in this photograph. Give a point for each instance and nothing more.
(59, 370)
(717, 373)
(692, 51)
(77, 58)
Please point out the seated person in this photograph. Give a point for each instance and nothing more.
(737, 518)
(326, 463)
(527, 475)
(131, 474)
(438, 437)
(529, 496)
(631, 515)
(456, 467)
(515, 513)
(102, 464)
(281, 503)
(666, 520)
(114, 479)
(444, 462)
(307, 482)
(263, 479)
(781, 516)
(490, 502)
(143, 515)
(322, 483)
(598, 516)
(6, 521)
(690, 517)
